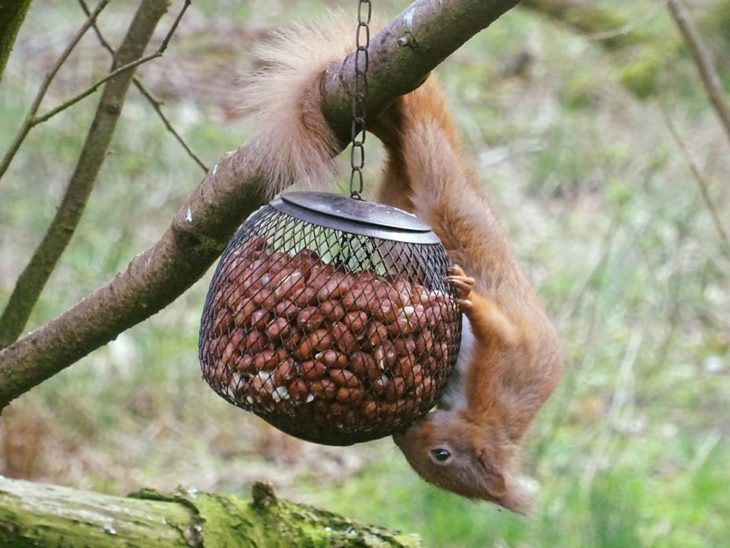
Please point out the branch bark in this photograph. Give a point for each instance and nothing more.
(703, 59)
(34, 514)
(401, 56)
(12, 15)
(35, 275)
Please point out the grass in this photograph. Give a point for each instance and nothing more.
(602, 212)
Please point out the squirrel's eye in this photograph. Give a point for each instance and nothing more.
(441, 454)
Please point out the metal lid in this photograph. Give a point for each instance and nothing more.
(355, 216)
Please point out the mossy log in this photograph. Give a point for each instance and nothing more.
(33, 514)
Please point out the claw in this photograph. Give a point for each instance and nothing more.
(460, 282)
(456, 270)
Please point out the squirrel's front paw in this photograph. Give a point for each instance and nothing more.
(462, 286)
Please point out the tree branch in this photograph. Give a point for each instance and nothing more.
(35, 275)
(156, 103)
(28, 122)
(703, 60)
(702, 183)
(12, 15)
(119, 70)
(430, 31)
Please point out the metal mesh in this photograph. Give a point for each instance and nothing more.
(332, 337)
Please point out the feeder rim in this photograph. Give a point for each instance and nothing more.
(346, 214)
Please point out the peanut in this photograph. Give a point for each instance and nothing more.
(395, 389)
(323, 388)
(364, 366)
(332, 310)
(343, 337)
(385, 355)
(246, 308)
(332, 358)
(377, 333)
(351, 396)
(267, 359)
(285, 371)
(356, 321)
(313, 369)
(260, 318)
(298, 390)
(310, 318)
(285, 309)
(345, 378)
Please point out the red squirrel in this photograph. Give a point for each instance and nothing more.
(510, 358)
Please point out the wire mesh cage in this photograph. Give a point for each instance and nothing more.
(330, 318)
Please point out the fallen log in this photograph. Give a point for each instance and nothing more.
(34, 514)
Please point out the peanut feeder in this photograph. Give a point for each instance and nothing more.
(330, 318)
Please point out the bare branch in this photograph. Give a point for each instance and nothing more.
(133, 64)
(91, 89)
(702, 183)
(31, 281)
(156, 103)
(28, 122)
(230, 192)
(703, 60)
(32, 120)
(12, 15)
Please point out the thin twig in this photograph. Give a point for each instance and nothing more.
(33, 121)
(45, 257)
(91, 89)
(29, 118)
(703, 60)
(156, 103)
(702, 183)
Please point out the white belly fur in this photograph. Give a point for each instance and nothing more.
(453, 397)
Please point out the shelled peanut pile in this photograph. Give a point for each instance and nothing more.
(293, 337)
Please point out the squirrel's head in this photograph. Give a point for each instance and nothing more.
(449, 451)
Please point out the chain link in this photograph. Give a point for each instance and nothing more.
(359, 96)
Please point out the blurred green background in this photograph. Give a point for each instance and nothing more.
(570, 137)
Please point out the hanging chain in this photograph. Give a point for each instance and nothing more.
(362, 60)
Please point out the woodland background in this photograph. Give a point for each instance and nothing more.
(582, 141)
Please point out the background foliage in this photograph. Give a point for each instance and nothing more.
(571, 142)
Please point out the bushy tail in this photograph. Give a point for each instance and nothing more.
(426, 173)
(280, 97)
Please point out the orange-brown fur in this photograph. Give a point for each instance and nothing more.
(280, 99)
(515, 359)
